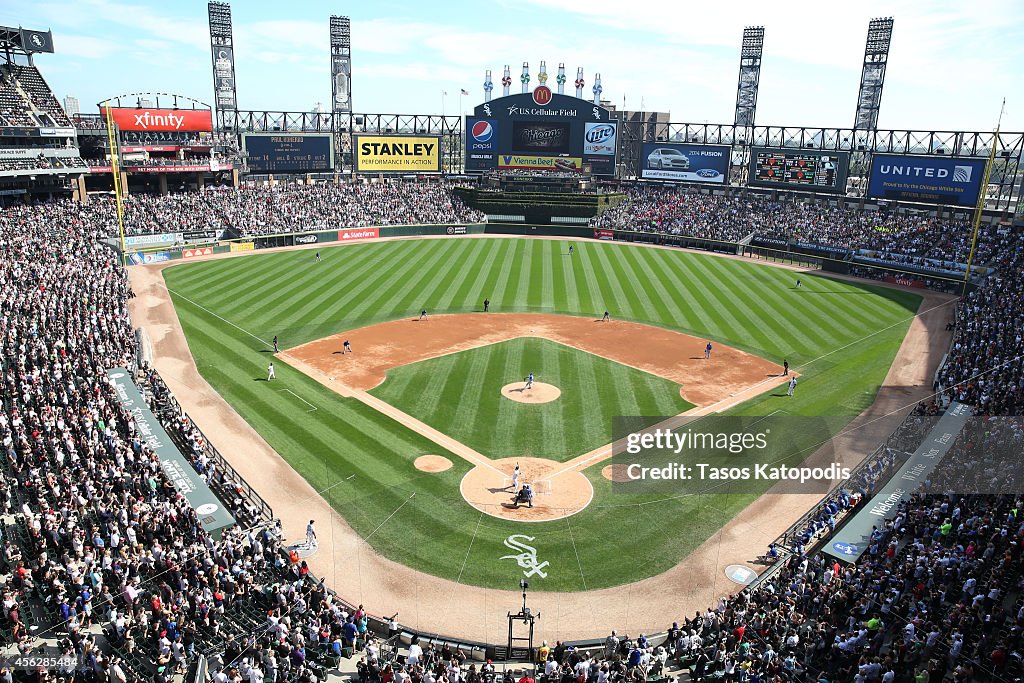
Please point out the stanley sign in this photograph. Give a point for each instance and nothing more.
(398, 154)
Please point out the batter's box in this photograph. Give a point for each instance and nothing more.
(542, 487)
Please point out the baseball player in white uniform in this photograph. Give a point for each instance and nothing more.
(270, 372)
(515, 478)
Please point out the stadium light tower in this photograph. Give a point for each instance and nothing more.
(341, 64)
(872, 76)
(750, 75)
(222, 55)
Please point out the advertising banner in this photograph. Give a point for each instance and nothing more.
(201, 235)
(798, 169)
(681, 162)
(397, 153)
(599, 139)
(358, 234)
(603, 234)
(341, 72)
(299, 153)
(456, 230)
(243, 246)
(211, 514)
(542, 163)
(169, 120)
(193, 253)
(154, 240)
(935, 179)
(309, 238)
(853, 539)
(224, 77)
(137, 258)
(481, 136)
(162, 169)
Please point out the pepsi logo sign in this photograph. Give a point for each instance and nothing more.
(482, 131)
(542, 95)
(599, 134)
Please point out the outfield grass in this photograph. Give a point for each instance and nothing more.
(443, 391)
(620, 537)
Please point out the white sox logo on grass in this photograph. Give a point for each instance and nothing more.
(527, 559)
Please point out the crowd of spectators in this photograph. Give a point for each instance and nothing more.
(984, 367)
(259, 209)
(94, 534)
(687, 212)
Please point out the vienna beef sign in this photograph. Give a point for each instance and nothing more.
(398, 154)
(162, 120)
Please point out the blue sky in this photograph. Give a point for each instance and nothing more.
(950, 65)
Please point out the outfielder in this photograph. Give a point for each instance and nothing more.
(270, 372)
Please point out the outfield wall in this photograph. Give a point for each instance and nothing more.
(827, 257)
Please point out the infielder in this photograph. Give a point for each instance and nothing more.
(792, 386)
(423, 314)
(270, 372)
(707, 351)
(346, 347)
(515, 478)
(606, 317)
(529, 382)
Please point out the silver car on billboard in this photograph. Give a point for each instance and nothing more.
(668, 158)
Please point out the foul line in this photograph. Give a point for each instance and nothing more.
(311, 406)
(222, 319)
(578, 563)
(370, 535)
(470, 548)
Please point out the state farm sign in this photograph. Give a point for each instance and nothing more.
(358, 234)
(184, 120)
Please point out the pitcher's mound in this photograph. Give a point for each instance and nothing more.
(557, 493)
(432, 463)
(538, 393)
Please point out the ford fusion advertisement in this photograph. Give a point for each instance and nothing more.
(685, 162)
(935, 180)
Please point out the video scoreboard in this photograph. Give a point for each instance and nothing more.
(289, 153)
(798, 169)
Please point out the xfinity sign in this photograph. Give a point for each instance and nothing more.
(929, 179)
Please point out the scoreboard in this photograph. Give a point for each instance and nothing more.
(289, 153)
(798, 169)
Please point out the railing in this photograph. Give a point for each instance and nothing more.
(224, 478)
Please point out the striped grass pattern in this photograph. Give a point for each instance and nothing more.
(363, 461)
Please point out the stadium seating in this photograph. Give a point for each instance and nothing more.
(93, 535)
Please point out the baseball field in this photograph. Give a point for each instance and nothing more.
(357, 425)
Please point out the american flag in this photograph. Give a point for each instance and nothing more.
(464, 91)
